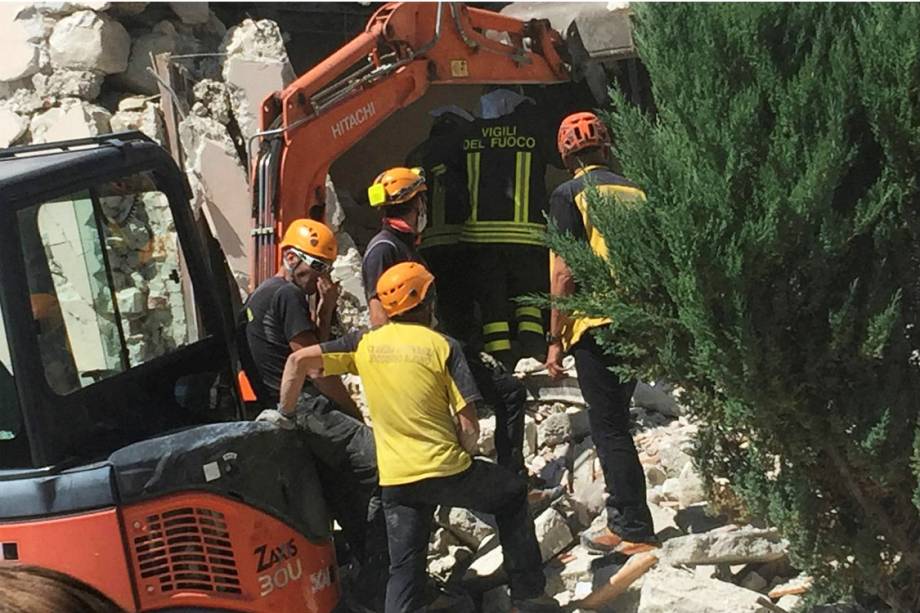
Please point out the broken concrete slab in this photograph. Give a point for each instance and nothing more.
(12, 127)
(67, 83)
(691, 490)
(737, 546)
(87, 40)
(21, 51)
(555, 429)
(66, 8)
(73, 119)
(146, 119)
(256, 64)
(464, 525)
(553, 533)
(672, 590)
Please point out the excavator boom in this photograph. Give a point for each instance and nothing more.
(405, 48)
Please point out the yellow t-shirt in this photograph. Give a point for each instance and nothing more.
(569, 211)
(416, 380)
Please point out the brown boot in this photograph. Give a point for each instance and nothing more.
(604, 540)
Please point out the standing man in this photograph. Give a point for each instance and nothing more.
(422, 399)
(279, 322)
(401, 193)
(584, 144)
(441, 155)
(507, 150)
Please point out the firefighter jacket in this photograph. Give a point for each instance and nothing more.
(441, 155)
(506, 162)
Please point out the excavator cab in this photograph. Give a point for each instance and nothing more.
(124, 460)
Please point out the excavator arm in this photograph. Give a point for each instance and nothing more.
(405, 48)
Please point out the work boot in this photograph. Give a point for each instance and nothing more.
(540, 604)
(604, 540)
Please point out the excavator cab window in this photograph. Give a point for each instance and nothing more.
(107, 281)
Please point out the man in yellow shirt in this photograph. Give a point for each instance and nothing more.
(422, 398)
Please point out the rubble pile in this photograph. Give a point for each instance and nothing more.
(705, 563)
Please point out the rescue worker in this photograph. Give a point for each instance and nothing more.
(401, 194)
(441, 156)
(584, 145)
(279, 322)
(422, 399)
(506, 157)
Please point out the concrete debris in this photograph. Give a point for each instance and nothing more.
(464, 525)
(66, 8)
(66, 83)
(555, 429)
(725, 546)
(89, 41)
(212, 99)
(146, 119)
(486, 442)
(690, 490)
(192, 13)
(21, 53)
(256, 65)
(163, 39)
(12, 127)
(73, 119)
(657, 396)
(127, 9)
(553, 533)
(530, 436)
(672, 590)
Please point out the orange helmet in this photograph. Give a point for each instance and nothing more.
(580, 131)
(396, 185)
(311, 237)
(403, 287)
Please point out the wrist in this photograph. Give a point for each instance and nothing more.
(553, 339)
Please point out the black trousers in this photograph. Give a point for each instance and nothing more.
(508, 398)
(483, 487)
(608, 401)
(347, 467)
(503, 273)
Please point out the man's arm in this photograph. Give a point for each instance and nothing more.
(467, 425)
(298, 366)
(377, 315)
(331, 387)
(561, 284)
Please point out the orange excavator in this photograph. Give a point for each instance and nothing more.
(126, 459)
(405, 49)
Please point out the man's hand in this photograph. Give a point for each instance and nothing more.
(274, 416)
(329, 292)
(554, 361)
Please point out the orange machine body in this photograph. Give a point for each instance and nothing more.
(184, 550)
(408, 46)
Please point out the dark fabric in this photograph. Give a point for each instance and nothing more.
(275, 314)
(441, 155)
(347, 466)
(498, 141)
(562, 208)
(483, 487)
(608, 401)
(386, 248)
(508, 398)
(504, 272)
(450, 265)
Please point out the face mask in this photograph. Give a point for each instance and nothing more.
(422, 222)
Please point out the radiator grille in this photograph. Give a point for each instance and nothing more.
(187, 549)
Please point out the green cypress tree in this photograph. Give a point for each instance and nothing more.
(773, 271)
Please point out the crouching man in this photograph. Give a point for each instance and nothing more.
(422, 399)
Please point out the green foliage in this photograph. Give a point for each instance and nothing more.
(774, 270)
